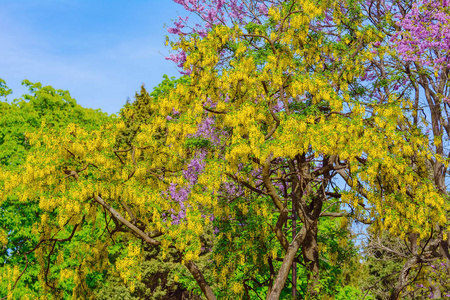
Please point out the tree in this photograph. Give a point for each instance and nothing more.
(383, 122)
(158, 272)
(416, 67)
(43, 108)
(272, 109)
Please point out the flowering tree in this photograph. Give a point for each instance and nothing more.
(386, 82)
(411, 62)
(273, 113)
(425, 34)
(41, 109)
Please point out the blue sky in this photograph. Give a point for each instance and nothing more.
(100, 51)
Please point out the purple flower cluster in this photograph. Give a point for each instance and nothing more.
(215, 12)
(179, 59)
(180, 195)
(425, 34)
(440, 274)
(174, 112)
(195, 167)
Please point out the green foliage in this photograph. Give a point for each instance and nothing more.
(157, 281)
(197, 142)
(252, 241)
(168, 84)
(141, 110)
(158, 272)
(42, 109)
(349, 292)
(141, 113)
(56, 108)
(4, 90)
(381, 275)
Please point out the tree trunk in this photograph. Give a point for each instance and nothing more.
(310, 251)
(286, 266)
(403, 278)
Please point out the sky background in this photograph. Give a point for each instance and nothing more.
(100, 51)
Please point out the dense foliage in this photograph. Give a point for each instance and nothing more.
(292, 121)
(44, 108)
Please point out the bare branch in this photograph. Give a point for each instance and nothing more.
(269, 185)
(279, 229)
(125, 222)
(195, 271)
(215, 111)
(130, 213)
(246, 184)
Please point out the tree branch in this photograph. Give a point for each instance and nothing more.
(125, 222)
(198, 276)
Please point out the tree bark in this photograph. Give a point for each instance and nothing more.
(206, 289)
(286, 265)
(310, 251)
(127, 223)
(403, 278)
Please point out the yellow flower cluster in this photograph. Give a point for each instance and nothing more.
(127, 266)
